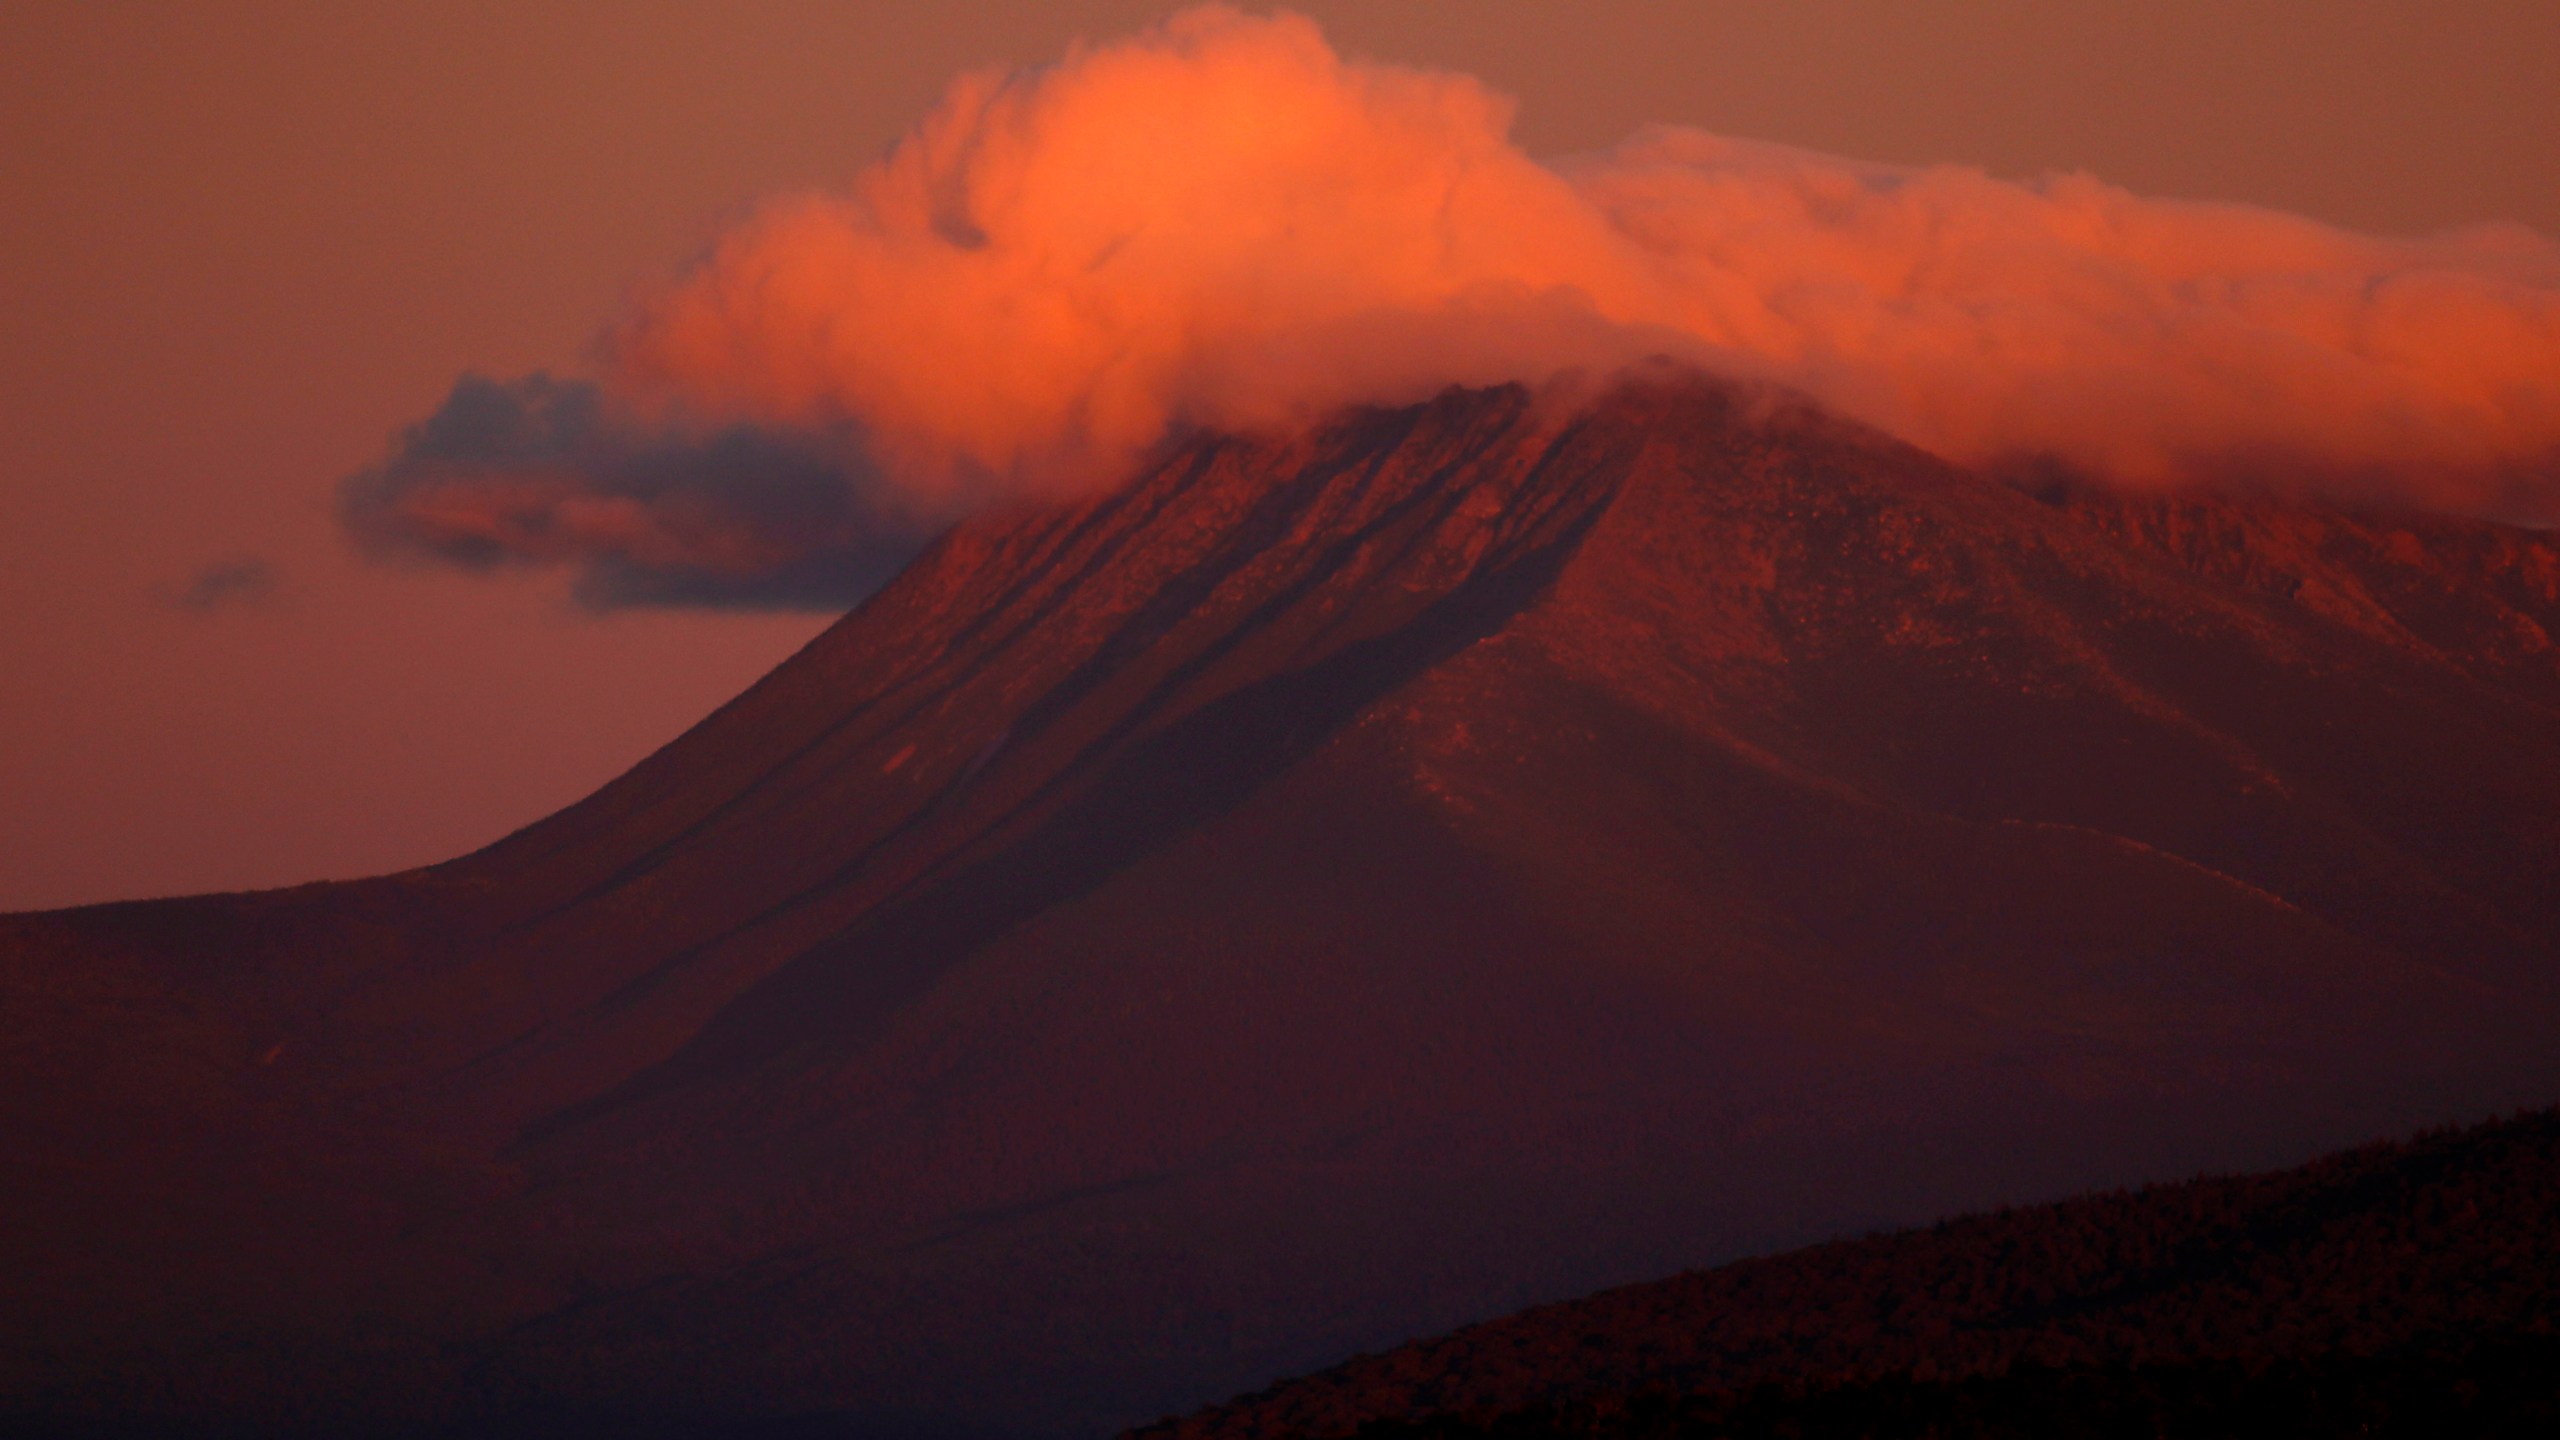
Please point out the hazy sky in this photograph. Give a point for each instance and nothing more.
(247, 242)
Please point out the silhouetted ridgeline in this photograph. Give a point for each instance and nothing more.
(2499, 1387)
(2400, 1288)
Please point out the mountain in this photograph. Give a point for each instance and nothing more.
(2383, 1290)
(1328, 889)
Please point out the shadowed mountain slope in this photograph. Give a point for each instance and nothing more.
(1325, 890)
(2389, 1277)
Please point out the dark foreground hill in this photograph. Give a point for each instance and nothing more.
(1330, 889)
(2401, 1288)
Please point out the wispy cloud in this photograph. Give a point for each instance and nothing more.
(546, 471)
(225, 585)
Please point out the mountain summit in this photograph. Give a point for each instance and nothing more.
(1328, 889)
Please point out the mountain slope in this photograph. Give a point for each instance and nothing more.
(1328, 889)
(2442, 1248)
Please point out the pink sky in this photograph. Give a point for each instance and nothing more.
(249, 242)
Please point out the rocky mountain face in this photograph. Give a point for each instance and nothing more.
(1326, 890)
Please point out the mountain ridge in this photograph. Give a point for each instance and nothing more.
(1333, 884)
(2442, 1241)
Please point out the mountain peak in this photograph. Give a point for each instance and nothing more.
(1330, 887)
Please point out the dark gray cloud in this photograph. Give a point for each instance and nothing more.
(225, 584)
(542, 471)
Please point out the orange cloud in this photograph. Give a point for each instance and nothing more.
(1221, 222)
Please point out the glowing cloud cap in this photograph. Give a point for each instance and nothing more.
(1221, 222)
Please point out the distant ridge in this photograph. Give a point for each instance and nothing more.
(2391, 1285)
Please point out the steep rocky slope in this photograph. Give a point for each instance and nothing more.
(1325, 890)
